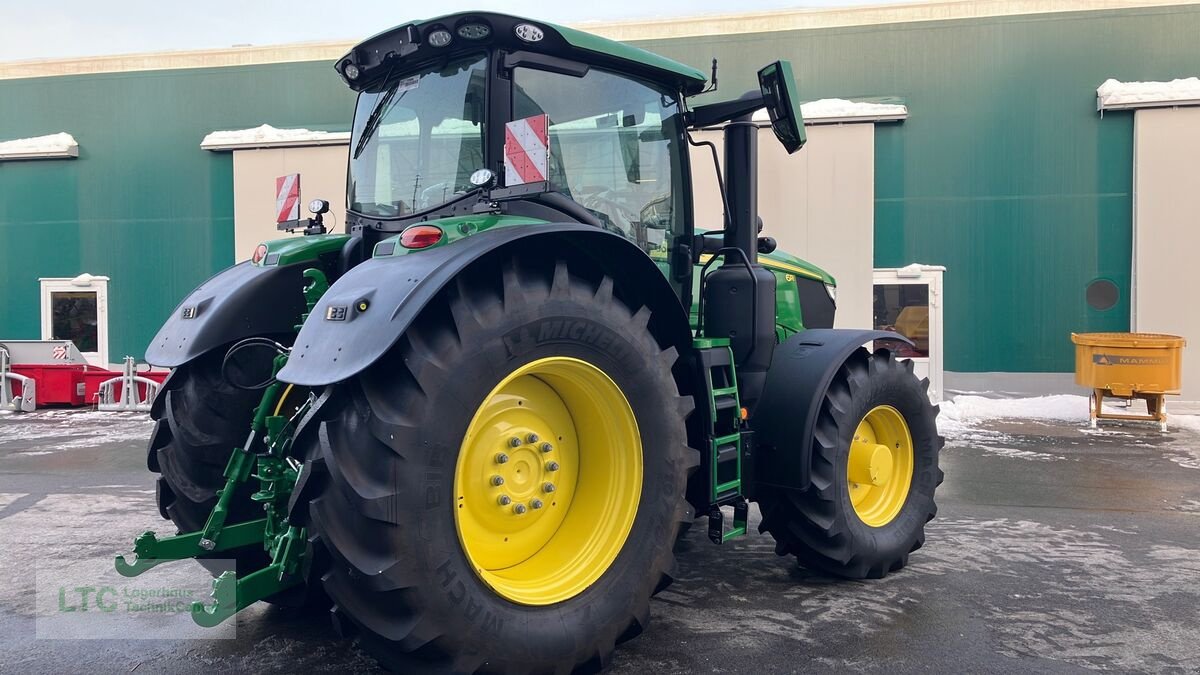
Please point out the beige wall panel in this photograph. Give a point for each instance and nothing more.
(818, 203)
(322, 172)
(1166, 231)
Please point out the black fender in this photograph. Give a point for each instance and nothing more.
(235, 303)
(341, 339)
(801, 371)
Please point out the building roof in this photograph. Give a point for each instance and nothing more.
(625, 31)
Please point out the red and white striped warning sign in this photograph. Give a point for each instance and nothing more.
(526, 150)
(287, 197)
(59, 352)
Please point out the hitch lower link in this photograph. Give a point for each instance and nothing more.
(276, 473)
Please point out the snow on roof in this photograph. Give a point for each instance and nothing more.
(267, 136)
(1117, 95)
(833, 110)
(40, 147)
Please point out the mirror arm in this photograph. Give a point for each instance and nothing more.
(712, 114)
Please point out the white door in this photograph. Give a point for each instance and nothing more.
(908, 300)
(77, 310)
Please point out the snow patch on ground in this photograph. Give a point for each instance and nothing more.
(1114, 92)
(53, 144)
(1017, 453)
(1189, 422)
(1061, 407)
(48, 431)
(269, 135)
(961, 422)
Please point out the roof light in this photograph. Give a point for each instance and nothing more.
(440, 37)
(474, 31)
(529, 32)
(420, 236)
(351, 71)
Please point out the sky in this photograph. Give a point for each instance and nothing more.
(69, 28)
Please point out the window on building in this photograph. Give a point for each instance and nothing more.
(904, 309)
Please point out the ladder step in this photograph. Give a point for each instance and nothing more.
(726, 402)
(724, 391)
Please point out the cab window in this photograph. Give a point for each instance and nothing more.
(613, 149)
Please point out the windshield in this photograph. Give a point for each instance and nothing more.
(415, 144)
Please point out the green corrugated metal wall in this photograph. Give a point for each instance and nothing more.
(1004, 172)
(143, 204)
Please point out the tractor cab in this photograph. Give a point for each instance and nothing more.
(491, 115)
(534, 120)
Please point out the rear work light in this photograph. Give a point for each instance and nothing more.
(420, 236)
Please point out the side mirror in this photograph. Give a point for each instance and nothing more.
(778, 89)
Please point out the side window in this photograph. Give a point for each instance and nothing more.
(613, 149)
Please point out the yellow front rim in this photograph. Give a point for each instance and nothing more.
(879, 468)
(548, 480)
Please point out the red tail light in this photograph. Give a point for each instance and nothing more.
(259, 253)
(420, 236)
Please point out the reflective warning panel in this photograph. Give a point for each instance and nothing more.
(526, 150)
(287, 198)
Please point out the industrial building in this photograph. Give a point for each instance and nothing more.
(988, 148)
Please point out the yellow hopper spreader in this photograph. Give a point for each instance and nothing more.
(1129, 365)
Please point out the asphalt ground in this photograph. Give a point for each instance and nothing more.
(1056, 549)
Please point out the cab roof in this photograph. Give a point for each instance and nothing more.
(378, 56)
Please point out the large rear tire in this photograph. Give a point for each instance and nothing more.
(874, 472)
(437, 565)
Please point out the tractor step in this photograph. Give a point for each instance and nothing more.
(725, 443)
(717, 533)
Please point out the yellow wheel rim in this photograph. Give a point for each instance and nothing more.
(548, 481)
(879, 468)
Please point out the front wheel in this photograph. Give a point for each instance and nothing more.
(504, 488)
(874, 472)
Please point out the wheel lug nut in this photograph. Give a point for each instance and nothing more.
(548, 487)
(535, 504)
(552, 466)
(531, 438)
(504, 500)
(546, 447)
(514, 442)
(497, 480)
(519, 509)
(501, 458)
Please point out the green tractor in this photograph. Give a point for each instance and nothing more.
(474, 425)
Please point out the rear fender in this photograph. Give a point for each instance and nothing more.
(236, 303)
(366, 311)
(801, 371)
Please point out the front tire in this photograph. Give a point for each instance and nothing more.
(430, 564)
(874, 472)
